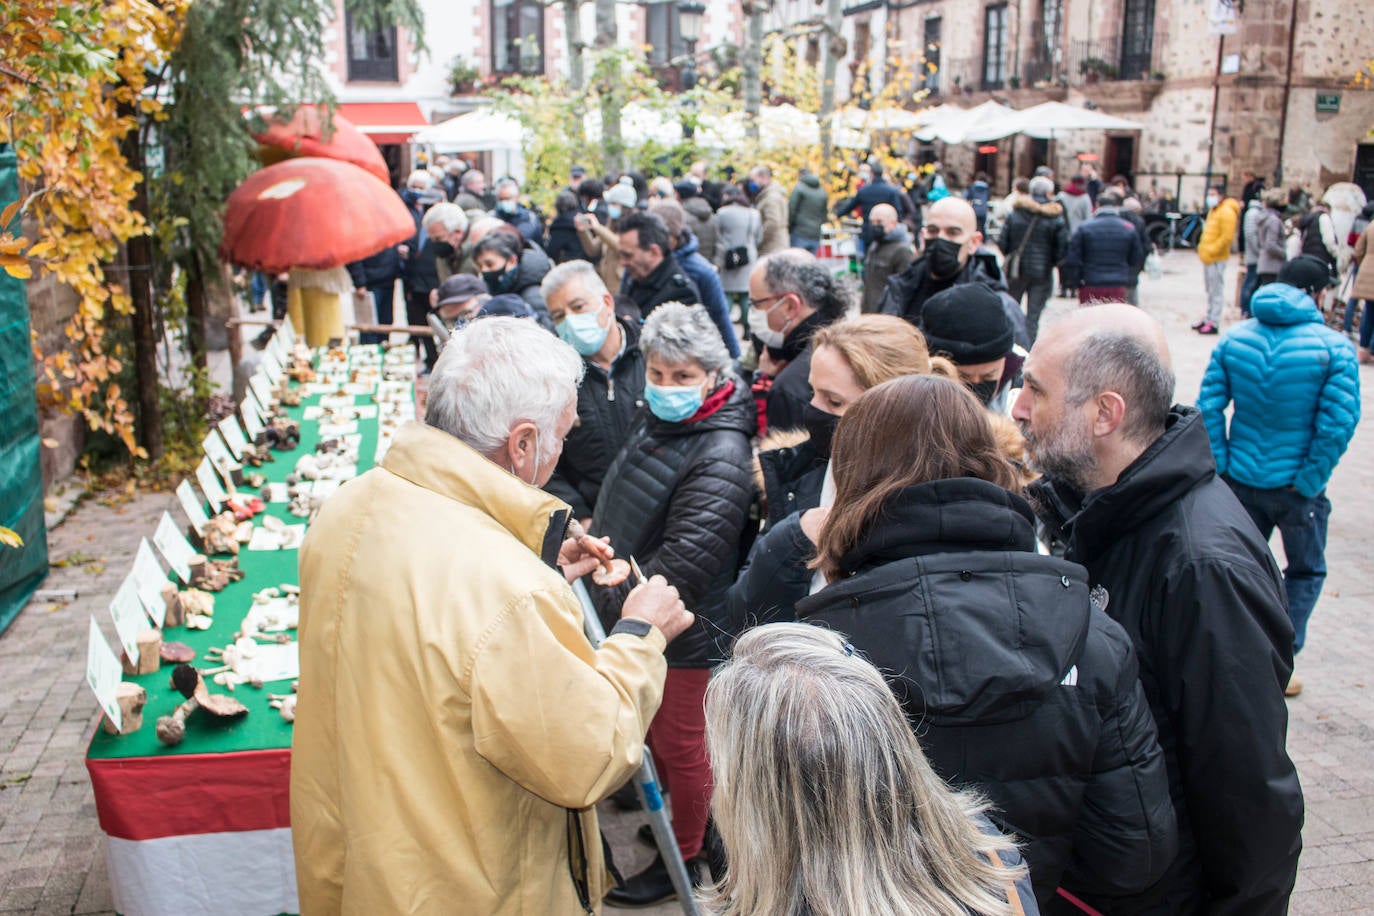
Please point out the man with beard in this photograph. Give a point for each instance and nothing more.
(1131, 487)
(951, 256)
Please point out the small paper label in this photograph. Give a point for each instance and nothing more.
(277, 493)
(103, 673)
(129, 619)
(175, 549)
(334, 430)
(150, 578)
(287, 331)
(262, 388)
(219, 455)
(252, 420)
(270, 367)
(191, 505)
(233, 436)
(210, 485)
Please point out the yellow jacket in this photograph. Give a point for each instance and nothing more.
(451, 710)
(1219, 232)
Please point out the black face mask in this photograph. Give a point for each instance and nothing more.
(879, 233)
(943, 257)
(500, 281)
(985, 391)
(821, 426)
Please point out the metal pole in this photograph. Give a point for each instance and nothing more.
(1216, 99)
(646, 780)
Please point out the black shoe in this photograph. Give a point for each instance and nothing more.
(626, 799)
(650, 887)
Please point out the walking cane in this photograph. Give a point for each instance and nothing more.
(646, 780)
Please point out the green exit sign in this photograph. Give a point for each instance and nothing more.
(1328, 101)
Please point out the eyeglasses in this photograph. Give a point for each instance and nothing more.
(758, 303)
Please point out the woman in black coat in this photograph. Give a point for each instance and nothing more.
(563, 243)
(1015, 682)
(675, 498)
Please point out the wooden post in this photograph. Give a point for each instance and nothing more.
(149, 651)
(131, 699)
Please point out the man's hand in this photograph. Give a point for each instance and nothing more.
(579, 556)
(770, 366)
(656, 602)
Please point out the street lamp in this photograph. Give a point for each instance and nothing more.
(689, 16)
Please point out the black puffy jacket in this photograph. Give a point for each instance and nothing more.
(1048, 241)
(1015, 684)
(1195, 586)
(667, 283)
(606, 406)
(791, 390)
(676, 499)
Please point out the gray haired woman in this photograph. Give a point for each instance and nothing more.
(676, 498)
(826, 804)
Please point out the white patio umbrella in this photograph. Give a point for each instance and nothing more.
(1047, 121)
(959, 125)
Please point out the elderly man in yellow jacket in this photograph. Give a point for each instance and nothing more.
(454, 726)
(1214, 250)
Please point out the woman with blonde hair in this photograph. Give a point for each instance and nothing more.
(1016, 682)
(848, 357)
(825, 802)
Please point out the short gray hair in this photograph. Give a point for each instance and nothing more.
(1042, 186)
(470, 178)
(569, 271)
(497, 372)
(676, 333)
(420, 177)
(797, 271)
(451, 215)
(1124, 363)
(506, 182)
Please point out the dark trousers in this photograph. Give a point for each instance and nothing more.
(1302, 523)
(383, 299)
(1038, 292)
(417, 311)
(1247, 289)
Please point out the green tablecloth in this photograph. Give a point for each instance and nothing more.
(262, 728)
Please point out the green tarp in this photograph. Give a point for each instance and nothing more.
(21, 481)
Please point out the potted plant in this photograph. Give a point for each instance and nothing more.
(463, 77)
(1095, 68)
(1014, 82)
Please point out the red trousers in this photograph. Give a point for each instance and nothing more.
(677, 739)
(1091, 295)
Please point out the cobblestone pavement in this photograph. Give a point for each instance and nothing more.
(51, 858)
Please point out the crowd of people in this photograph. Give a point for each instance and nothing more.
(940, 602)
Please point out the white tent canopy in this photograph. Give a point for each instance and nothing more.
(477, 131)
(958, 125)
(1046, 121)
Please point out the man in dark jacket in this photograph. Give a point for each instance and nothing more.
(1130, 486)
(791, 296)
(583, 312)
(874, 192)
(701, 272)
(510, 210)
(652, 277)
(376, 276)
(889, 253)
(806, 210)
(1034, 240)
(952, 255)
(1104, 254)
(700, 218)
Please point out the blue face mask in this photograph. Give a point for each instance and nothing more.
(673, 403)
(508, 206)
(751, 186)
(613, 211)
(583, 333)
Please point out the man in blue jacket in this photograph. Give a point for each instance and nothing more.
(1105, 254)
(1296, 388)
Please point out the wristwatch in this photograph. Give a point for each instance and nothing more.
(632, 626)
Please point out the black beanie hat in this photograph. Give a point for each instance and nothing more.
(967, 321)
(1309, 274)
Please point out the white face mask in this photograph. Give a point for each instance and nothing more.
(758, 326)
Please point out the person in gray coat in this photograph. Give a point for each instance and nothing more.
(1270, 237)
(741, 232)
(701, 219)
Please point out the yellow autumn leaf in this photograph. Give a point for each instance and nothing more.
(17, 268)
(10, 538)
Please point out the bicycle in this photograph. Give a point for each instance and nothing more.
(1170, 231)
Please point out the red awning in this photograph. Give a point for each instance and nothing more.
(385, 122)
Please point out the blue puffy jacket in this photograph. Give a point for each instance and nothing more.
(1296, 388)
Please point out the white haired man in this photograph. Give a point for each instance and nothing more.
(455, 727)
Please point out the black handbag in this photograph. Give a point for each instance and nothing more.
(736, 257)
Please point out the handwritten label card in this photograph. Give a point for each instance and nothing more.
(233, 436)
(219, 455)
(103, 673)
(176, 550)
(210, 485)
(287, 331)
(262, 389)
(252, 420)
(149, 579)
(129, 619)
(270, 367)
(191, 505)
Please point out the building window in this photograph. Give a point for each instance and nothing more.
(1137, 39)
(813, 51)
(932, 55)
(517, 37)
(662, 33)
(371, 51)
(995, 46)
(1051, 25)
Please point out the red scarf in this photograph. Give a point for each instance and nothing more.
(713, 403)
